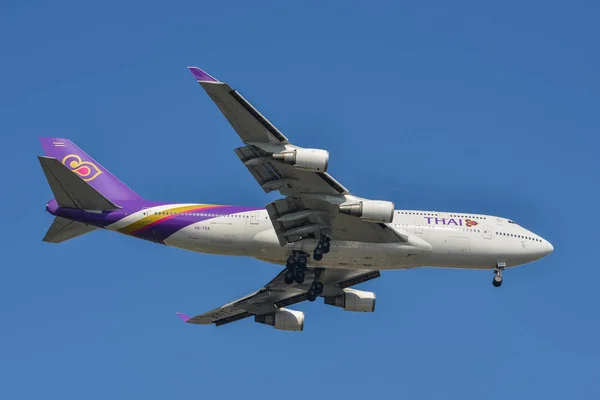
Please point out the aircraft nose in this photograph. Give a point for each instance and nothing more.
(549, 248)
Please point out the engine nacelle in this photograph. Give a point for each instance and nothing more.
(313, 160)
(370, 210)
(283, 319)
(353, 300)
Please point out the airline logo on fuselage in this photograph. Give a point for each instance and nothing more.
(451, 221)
(86, 170)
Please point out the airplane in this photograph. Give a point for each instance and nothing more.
(328, 239)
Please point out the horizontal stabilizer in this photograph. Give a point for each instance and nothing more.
(70, 190)
(63, 229)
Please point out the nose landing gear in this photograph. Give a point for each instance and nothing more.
(497, 281)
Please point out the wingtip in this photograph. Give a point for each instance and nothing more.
(183, 316)
(200, 75)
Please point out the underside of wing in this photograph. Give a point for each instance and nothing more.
(295, 218)
(268, 304)
(250, 124)
(315, 203)
(306, 174)
(272, 175)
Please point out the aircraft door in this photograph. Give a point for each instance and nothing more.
(487, 232)
(254, 218)
(146, 212)
(458, 245)
(418, 227)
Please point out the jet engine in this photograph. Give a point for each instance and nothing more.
(283, 319)
(370, 210)
(313, 160)
(353, 300)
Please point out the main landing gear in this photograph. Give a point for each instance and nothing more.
(322, 248)
(497, 281)
(296, 264)
(317, 286)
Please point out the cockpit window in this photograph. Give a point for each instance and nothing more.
(510, 222)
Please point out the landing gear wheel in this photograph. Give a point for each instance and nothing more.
(311, 295)
(291, 262)
(302, 261)
(318, 287)
(325, 246)
(288, 278)
(318, 254)
(497, 282)
(299, 276)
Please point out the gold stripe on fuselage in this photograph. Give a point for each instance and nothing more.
(160, 216)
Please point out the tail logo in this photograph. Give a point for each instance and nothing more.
(88, 171)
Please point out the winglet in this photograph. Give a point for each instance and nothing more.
(183, 316)
(201, 76)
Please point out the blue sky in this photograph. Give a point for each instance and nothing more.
(457, 106)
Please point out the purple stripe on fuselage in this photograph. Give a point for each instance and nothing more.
(157, 233)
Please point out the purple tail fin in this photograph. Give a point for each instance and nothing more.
(87, 168)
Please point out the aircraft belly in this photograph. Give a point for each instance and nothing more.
(234, 237)
(239, 237)
(363, 255)
(342, 254)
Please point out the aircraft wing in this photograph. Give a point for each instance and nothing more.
(312, 198)
(277, 294)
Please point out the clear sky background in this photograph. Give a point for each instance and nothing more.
(456, 106)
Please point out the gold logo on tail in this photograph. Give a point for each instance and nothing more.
(86, 170)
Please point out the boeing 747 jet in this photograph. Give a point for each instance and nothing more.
(328, 239)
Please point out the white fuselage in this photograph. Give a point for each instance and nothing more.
(436, 239)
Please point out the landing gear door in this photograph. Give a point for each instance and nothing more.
(487, 232)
